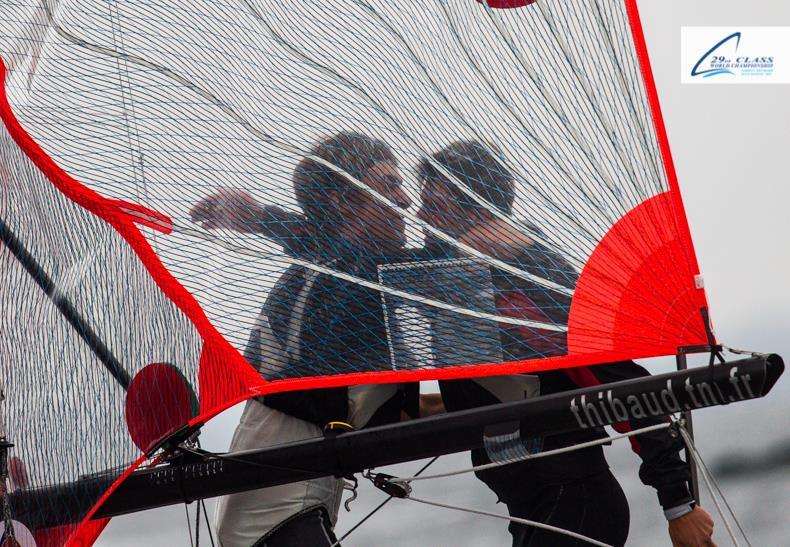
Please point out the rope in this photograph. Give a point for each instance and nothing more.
(713, 488)
(512, 519)
(189, 525)
(380, 505)
(208, 523)
(562, 450)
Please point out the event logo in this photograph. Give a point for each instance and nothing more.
(726, 58)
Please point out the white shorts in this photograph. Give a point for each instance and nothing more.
(244, 518)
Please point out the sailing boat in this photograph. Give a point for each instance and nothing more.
(126, 321)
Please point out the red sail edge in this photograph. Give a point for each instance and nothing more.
(634, 296)
(615, 284)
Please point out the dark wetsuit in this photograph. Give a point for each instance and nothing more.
(311, 324)
(340, 329)
(574, 490)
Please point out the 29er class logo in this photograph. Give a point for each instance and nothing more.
(724, 58)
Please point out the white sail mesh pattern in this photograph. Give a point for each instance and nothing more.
(354, 185)
(64, 408)
(164, 103)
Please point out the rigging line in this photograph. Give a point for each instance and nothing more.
(380, 505)
(524, 126)
(379, 197)
(713, 488)
(708, 482)
(563, 450)
(66, 308)
(723, 498)
(511, 519)
(202, 503)
(189, 525)
(201, 234)
(525, 229)
(208, 522)
(269, 139)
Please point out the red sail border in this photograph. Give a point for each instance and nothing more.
(218, 354)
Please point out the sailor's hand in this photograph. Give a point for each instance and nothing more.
(228, 208)
(694, 529)
(431, 404)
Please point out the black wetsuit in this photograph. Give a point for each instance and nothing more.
(574, 490)
(314, 324)
(339, 328)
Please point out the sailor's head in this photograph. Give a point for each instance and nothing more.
(445, 206)
(341, 209)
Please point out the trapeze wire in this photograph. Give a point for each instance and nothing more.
(713, 488)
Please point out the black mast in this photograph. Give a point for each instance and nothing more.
(63, 304)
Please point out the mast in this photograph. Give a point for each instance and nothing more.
(64, 306)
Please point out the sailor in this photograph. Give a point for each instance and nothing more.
(575, 490)
(313, 324)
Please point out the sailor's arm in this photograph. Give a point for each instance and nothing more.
(662, 467)
(229, 208)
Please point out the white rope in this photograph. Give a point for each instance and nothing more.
(512, 519)
(554, 452)
(713, 488)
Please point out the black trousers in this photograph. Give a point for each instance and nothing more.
(594, 506)
(311, 528)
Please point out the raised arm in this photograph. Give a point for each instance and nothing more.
(229, 208)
